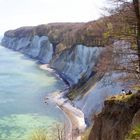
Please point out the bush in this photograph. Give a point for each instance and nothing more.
(55, 132)
(39, 135)
(134, 134)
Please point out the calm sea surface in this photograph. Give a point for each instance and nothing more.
(23, 86)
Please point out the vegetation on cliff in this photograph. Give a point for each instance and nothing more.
(55, 132)
(134, 133)
(115, 120)
(66, 34)
(127, 27)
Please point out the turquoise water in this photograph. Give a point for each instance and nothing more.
(23, 86)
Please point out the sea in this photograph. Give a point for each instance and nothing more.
(23, 88)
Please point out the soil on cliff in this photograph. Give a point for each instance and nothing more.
(117, 118)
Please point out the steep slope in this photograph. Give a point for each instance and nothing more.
(77, 62)
(57, 44)
(117, 118)
(91, 100)
(66, 49)
(73, 50)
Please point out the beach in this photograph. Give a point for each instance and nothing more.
(74, 115)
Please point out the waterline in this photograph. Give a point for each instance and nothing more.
(23, 86)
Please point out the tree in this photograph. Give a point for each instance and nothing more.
(136, 5)
(55, 132)
(124, 24)
(129, 20)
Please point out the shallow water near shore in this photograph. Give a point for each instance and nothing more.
(23, 87)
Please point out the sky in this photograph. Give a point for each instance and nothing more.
(17, 13)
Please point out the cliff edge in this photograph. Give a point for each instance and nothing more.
(57, 44)
(118, 116)
(73, 50)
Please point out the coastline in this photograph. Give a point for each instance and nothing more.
(74, 115)
(58, 75)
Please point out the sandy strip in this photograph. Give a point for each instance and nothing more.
(73, 114)
(46, 67)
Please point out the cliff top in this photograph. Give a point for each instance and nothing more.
(121, 98)
(66, 33)
(116, 118)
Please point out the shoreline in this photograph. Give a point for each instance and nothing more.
(57, 74)
(74, 115)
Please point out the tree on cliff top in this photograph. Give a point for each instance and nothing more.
(129, 17)
(124, 24)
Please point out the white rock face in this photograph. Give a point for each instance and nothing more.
(9, 42)
(21, 43)
(73, 64)
(92, 101)
(35, 47)
(46, 53)
(77, 62)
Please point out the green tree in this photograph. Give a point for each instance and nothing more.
(125, 25)
(134, 134)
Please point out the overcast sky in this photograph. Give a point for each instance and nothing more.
(16, 13)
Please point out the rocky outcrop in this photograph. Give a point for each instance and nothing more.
(77, 62)
(90, 97)
(57, 45)
(136, 119)
(34, 46)
(117, 117)
(73, 51)
(72, 61)
(67, 34)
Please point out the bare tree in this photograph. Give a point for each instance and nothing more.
(59, 131)
(123, 24)
(127, 15)
(136, 4)
(55, 132)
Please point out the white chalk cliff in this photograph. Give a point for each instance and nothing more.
(77, 62)
(35, 47)
(72, 64)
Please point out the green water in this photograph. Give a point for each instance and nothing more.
(23, 86)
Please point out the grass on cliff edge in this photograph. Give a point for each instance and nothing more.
(134, 134)
(85, 135)
(55, 132)
(39, 134)
(121, 97)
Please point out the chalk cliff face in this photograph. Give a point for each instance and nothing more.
(73, 54)
(72, 63)
(76, 62)
(92, 100)
(35, 47)
(119, 115)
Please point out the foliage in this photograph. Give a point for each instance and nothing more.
(85, 136)
(123, 55)
(134, 134)
(55, 132)
(83, 86)
(40, 134)
(121, 97)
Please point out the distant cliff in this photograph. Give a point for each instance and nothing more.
(59, 45)
(119, 115)
(73, 50)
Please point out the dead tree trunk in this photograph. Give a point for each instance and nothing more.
(136, 4)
